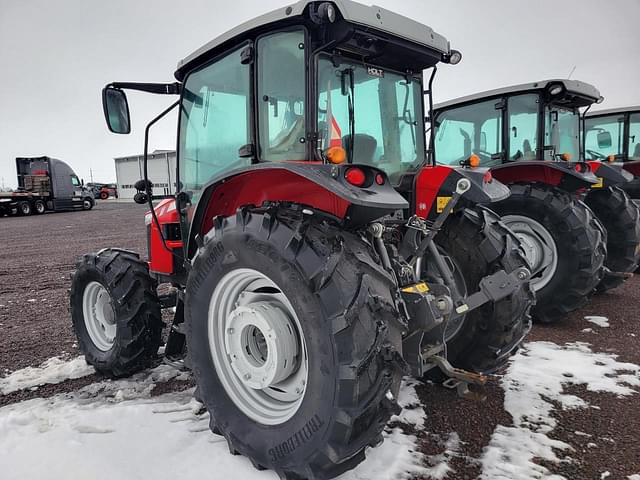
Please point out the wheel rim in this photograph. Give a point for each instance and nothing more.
(87, 204)
(25, 209)
(257, 346)
(99, 317)
(40, 207)
(540, 248)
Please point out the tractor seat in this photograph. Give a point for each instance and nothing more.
(363, 149)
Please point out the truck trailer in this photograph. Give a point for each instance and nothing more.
(45, 184)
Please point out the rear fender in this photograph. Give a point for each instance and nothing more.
(316, 186)
(435, 186)
(558, 174)
(633, 167)
(609, 174)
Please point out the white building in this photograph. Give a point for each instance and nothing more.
(162, 173)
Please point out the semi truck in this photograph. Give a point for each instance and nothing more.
(45, 184)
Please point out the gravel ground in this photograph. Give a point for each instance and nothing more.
(37, 256)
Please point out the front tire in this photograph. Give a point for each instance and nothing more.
(564, 245)
(115, 312)
(479, 245)
(340, 304)
(621, 218)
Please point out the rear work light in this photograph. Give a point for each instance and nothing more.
(355, 176)
(380, 179)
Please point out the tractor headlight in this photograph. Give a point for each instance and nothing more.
(556, 89)
(327, 12)
(455, 57)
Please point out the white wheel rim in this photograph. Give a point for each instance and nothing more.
(257, 346)
(99, 316)
(40, 207)
(87, 204)
(540, 248)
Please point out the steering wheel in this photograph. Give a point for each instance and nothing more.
(596, 155)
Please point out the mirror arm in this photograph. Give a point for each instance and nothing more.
(145, 164)
(159, 88)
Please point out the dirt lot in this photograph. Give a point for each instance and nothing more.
(37, 255)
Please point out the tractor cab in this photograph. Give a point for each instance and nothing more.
(537, 121)
(614, 135)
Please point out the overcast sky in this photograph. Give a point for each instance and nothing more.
(55, 56)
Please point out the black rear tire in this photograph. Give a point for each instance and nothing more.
(580, 243)
(136, 307)
(39, 207)
(479, 245)
(621, 218)
(349, 321)
(24, 208)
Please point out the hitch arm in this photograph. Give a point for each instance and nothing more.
(495, 287)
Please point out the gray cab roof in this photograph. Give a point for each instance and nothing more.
(574, 86)
(368, 16)
(613, 111)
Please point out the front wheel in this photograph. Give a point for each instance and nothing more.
(87, 203)
(115, 312)
(479, 245)
(294, 342)
(563, 242)
(621, 218)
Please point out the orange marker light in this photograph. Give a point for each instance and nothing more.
(611, 158)
(474, 160)
(336, 155)
(566, 157)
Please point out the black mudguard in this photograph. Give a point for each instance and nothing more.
(610, 174)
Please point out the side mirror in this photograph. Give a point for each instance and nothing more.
(604, 140)
(116, 110)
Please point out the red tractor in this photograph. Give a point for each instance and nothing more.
(528, 135)
(614, 135)
(305, 282)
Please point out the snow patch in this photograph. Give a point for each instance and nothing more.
(599, 321)
(412, 412)
(634, 477)
(72, 433)
(587, 330)
(54, 370)
(534, 382)
(439, 464)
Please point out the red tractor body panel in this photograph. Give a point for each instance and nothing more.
(161, 260)
(256, 187)
(633, 167)
(428, 185)
(542, 173)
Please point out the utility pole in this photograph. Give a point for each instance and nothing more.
(91, 174)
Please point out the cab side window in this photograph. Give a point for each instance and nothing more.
(214, 122)
(634, 137)
(523, 127)
(281, 96)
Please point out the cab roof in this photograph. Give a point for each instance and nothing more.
(371, 17)
(584, 93)
(613, 111)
